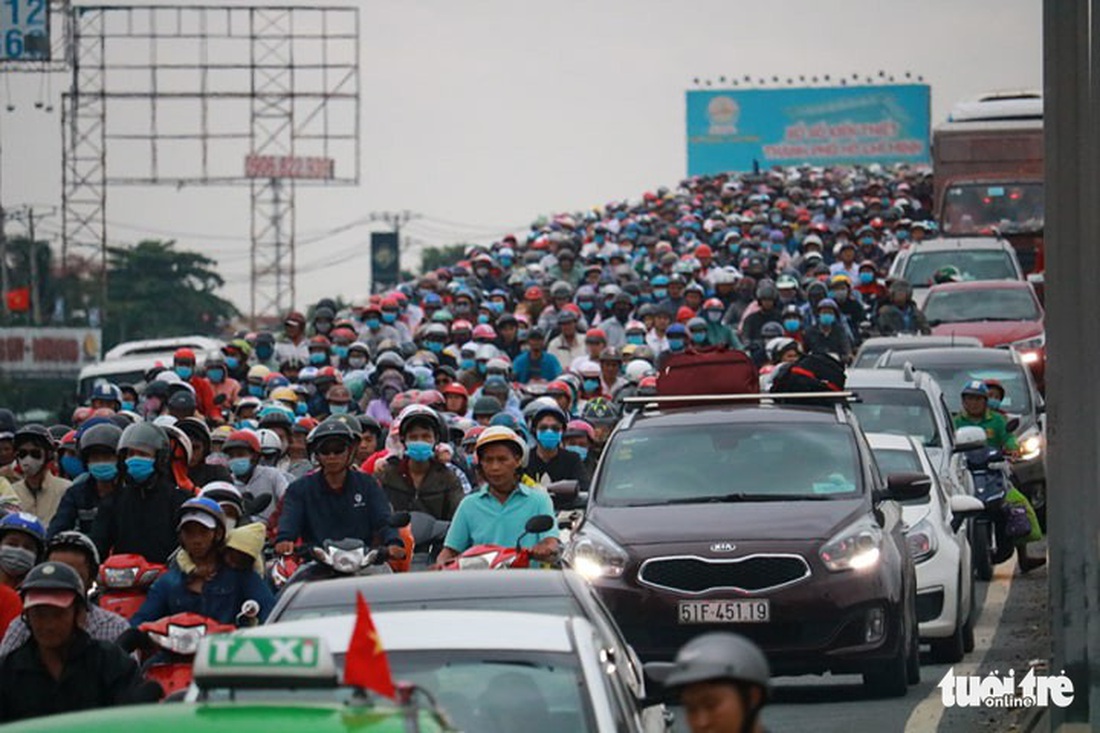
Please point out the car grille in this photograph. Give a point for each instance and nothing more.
(752, 574)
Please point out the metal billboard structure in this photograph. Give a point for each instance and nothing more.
(264, 97)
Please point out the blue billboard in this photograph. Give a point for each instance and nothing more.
(734, 130)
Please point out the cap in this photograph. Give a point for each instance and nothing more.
(201, 517)
(57, 598)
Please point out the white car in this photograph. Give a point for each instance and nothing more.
(489, 670)
(938, 543)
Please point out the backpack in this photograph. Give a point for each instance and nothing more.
(815, 372)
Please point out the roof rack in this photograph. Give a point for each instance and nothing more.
(724, 398)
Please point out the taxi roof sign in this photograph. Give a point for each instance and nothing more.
(235, 660)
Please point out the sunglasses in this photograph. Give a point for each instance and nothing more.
(331, 449)
(555, 428)
(32, 453)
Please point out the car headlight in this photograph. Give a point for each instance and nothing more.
(1031, 447)
(594, 555)
(1030, 348)
(856, 547)
(921, 539)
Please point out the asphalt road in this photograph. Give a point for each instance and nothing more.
(1011, 633)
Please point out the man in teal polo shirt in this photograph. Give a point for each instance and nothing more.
(498, 514)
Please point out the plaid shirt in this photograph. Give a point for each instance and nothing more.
(100, 624)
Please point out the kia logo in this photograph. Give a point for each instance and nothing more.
(723, 547)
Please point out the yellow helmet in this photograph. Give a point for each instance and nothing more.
(259, 372)
(502, 434)
(284, 394)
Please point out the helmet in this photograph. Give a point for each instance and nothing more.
(144, 436)
(544, 409)
(270, 442)
(720, 656)
(71, 539)
(35, 433)
(275, 417)
(369, 424)
(636, 369)
(224, 493)
(975, 388)
(26, 523)
(258, 372)
(421, 415)
(174, 433)
(947, 274)
(779, 346)
(243, 439)
(580, 427)
(52, 576)
(103, 436)
(600, 412)
(107, 392)
(390, 360)
(502, 434)
(330, 428)
(766, 290)
(205, 511)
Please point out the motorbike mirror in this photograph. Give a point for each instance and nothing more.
(133, 639)
(257, 504)
(969, 438)
(655, 691)
(249, 615)
(907, 486)
(563, 492)
(539, 524)
(400, 519)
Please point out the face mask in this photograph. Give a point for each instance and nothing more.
(580, 450)
(496, 306)
(839, 295)
(586, 305)
(467, 364)
(357, 362)
(521, 334)
(419, 450)
(636, 339)
(866, 277)
(506, 262)
(827, 319)
(240, 466)
(301, 409)
(16, 561)
(139, 468)
(264, 352)
(323, 326)
(792, 324)
(127, 405)
(232, 362)
(549, 439)
(30, 466)
(388, 316)
(867, 241)
(481, 272)
(184, 372)
(217, 376)
(482, 367)
(72, 466)
(902, 235)
(777, 247)
(676, 344)
(373, 324)
(591, 385)
(994, 403)
(483, 318)
(341, 351)
(255, 390)
(317, 358)
(699, 338)
(103, 471)
(338, 409)
(660, 293)
(435, 346)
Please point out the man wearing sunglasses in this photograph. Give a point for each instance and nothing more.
(549, 459)
(39, 491)
(335, 502)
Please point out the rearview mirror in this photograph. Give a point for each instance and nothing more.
(400, 519)
(907, 486)
(969, 438)
(256, 504)
(539, 523)
(655, 675)
(563, 492)
(964, 507)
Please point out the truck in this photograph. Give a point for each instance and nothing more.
(988, 172)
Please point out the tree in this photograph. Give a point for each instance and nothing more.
(432, 258)
(153, 291)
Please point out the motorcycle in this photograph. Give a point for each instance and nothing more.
(569, 503)
(124, 581)
(347, 557)
(989, 539)
(499, 557)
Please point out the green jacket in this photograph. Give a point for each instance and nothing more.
(995, 427)
(719, 334)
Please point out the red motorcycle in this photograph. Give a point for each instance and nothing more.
(168, 645)
(499, 557)
(124, 582)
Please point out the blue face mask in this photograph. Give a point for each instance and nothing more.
(419, 450)
(580, 450)
(827, 319)
(467, 364)
(636, 339)
(792, 324)
(140, 468)
(699, 338)
(660, 293)
(317, 358)
(103, 471)
(240, 467)
(994, 403)
(496, 306)
(676, 344)
(505, 262)
(341, 351)
(338, 409)
(586, 305)
(301, 409)
(127, 405)
(264, 352)
(902, 235)
(866, 277)
(232, 362)
(184, 372)
(217, 376)
(434, 346)
(482, 367)
(867, 241)
(591, 385)
(373, 324)
(482, 317)
(389, 316)
(256, 390)
(549, 439)
(71, 466)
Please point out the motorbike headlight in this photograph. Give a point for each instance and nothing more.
(184, 639)
(120, 577)
(484, 561)
(856, 547)
(594, 555)
(921, 540)
(1031, 447)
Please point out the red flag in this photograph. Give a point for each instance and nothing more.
(19, 300)
(365, 664)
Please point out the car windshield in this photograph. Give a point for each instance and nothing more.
(986, 304)
(973, 264)
(563, 605)
(952, 378)
(892, 460)
(743, 462)
(479, 691)
(897, 411)
(979, 208)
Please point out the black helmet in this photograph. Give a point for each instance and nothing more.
(53, 575)
(766, 290)
(720, 656)
(79, 541)
(330, 428)
(600, 411)
(147, 437)
(389, 360)
(369, 424)
(104, 436)
(548, 409)
(196, 430)
(7, 423)
(37, 434)
(276, 419)
(421, 415)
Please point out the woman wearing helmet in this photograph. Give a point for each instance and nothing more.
(61, 668)
(39, 491)
(498, 512)
(723, 681)
(199, 470)
(418, 480)
(200, 581)
(98, 446)
(550, 462)
(244, 449)
(22, 543)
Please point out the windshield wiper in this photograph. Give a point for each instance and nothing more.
(742, 497)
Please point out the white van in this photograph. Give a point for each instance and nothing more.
(128, 362)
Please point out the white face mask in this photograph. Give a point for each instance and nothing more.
(30, 466)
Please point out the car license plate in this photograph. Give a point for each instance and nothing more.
(724, 612)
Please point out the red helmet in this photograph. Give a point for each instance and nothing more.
(243, 439)
(713, 303)
(184, 354)
(703, 250)
(685, 314)
(455, 388)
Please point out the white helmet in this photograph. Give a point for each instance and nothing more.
(638, 369)
(270, 442)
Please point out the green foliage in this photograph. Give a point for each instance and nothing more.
(154, 291)
(432, 258)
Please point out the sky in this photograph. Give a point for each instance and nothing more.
(481, 115)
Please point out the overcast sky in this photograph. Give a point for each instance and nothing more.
(483, 114)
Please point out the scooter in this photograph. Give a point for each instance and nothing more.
(124, 582)
(347, 557)
(989, 540)
(499, 557)
(168, 645)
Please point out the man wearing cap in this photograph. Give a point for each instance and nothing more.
(723, 681)
(566, 346)
(535, 364)
(293, 343)
(61, 668)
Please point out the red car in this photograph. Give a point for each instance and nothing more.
(998, 312)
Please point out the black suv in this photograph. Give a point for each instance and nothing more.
(769, 520)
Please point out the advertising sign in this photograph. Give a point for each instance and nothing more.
(24, 30)
(48, 351)
(289, 166)
(385, 260)
(733, 130)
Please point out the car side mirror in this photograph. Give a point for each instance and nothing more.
(907, 486)
(964, 507)
(969, 438)
(249, 615)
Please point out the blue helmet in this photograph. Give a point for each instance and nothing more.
(975, 388)
(26, 523)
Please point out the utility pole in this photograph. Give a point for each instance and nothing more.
(4, 261)
(32, 253)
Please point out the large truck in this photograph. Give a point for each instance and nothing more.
(988, 172)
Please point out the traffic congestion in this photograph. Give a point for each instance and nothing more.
(616, 472)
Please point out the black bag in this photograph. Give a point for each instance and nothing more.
(812, 373)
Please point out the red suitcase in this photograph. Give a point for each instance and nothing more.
(710, 371)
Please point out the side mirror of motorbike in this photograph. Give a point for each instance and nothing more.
(563, 492)
(969, 438)
(133, 639)
(964, 507)
(539, 524)
(906, 486)
(400, 519)
(249, 615)
(256, 504)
